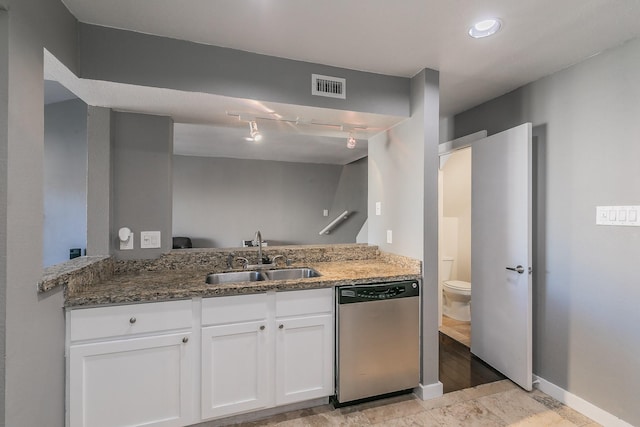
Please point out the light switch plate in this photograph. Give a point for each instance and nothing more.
(150, 239)
(378, 208)
(389, 236)
(618, 215)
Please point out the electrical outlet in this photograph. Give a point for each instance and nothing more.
(325, 212)
(389, 236)
(127, 245)
(149, 239)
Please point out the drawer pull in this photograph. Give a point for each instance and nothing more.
(132, 320)
(185, 340)
(281, 326)
(262, 327)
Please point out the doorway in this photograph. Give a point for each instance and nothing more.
(497, 182)
(454, 203)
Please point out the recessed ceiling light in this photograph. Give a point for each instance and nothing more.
(485, 28)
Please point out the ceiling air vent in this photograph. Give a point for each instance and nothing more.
(333, 87)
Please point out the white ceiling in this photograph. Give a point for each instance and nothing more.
(539, 37)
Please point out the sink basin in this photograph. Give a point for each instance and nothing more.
(291, 273)
(234, 276)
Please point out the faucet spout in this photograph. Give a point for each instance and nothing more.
(257, 240)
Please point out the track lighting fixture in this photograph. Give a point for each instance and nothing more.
(351, 142)
(253, 131)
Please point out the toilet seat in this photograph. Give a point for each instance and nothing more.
(458, 285)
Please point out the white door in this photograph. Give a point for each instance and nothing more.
(132, 382)
(235, 368)
(304, 358)
(501, 254)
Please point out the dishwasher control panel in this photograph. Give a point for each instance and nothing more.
(385, 291)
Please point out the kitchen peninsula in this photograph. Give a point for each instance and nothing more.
(149, 342)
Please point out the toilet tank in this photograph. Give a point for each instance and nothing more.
(446, 268)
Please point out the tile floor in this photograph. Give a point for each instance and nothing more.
(496, 404)
(456, 329)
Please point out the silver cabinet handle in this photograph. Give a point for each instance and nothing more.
(185, 340)
(281, 326)
(262, 327)
(132, 320)
(517, 268)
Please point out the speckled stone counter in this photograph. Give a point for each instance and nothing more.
(181, 274)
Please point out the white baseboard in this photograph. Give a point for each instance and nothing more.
(429, 391)
(579, 404)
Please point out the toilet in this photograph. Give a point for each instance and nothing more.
(456, 301)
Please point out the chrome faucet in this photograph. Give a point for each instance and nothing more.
(275, 259)
(258, 240)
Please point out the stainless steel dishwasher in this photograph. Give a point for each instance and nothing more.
(377, 340)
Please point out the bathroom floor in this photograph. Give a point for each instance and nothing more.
(456, 329)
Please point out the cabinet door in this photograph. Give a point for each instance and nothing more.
(235, 364)
(304, 358)
(132, 382)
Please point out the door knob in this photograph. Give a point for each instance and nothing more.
(518, 268)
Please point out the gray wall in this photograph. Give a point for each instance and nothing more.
(32, 366)
(135, 58)
(65, 180)
(586, 292)
(403, 177)
(142, 180)
(219, 201)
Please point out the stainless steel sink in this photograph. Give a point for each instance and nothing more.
(234, 276)
(291, 273)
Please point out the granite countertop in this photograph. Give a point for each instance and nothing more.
(149, 286)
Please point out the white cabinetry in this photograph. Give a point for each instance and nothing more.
(130, 365)
(304, 345)
(139, 364)
(264, 350)
(235, 363)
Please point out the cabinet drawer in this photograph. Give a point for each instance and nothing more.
(233, 309)
(309, 301)
(103, 322)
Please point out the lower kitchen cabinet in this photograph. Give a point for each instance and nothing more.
(304, 358)
(266, 350)
(138, 364)
(126, 368)
(131, 382)
(234, 369)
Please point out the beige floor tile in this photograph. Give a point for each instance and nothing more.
(512, 405)
(490, 388)
(346, 420)
(422, 419)
(548, 418)
(445, 400)
(394, 410)
(564, 411)
(466, 414)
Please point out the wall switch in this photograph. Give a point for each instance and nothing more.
(389, 236)
(378, 208)
(126, 245)
(618, 215)
(325, 212)
(149, 239)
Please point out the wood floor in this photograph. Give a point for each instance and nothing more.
(459, 369)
